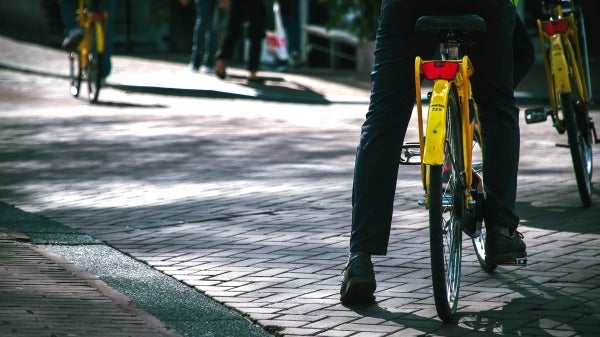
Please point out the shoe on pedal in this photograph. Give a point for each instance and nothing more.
(505, 246)
(359, 283)
(73, 38)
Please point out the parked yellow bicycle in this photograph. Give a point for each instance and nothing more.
(86, 62)
(564, 50)
(449, 154)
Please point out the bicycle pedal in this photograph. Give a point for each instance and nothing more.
(519, 261)
(536, 115)
(410, 154)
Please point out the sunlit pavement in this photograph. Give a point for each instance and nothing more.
(244, 195)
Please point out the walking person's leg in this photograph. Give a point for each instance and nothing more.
(198, 39)
(256, 34)
(232, 35)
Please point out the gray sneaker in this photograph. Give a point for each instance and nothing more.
(359, 283)
(505, 246)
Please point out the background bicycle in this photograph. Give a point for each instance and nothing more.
(89, 43)
(564, 50)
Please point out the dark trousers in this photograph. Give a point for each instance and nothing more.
(253, 12)
(290, 16)
(392, 101)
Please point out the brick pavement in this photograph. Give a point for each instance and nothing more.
(44, 295)
(252, 207)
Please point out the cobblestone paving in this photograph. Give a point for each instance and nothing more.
(56, 299)
(249, 202)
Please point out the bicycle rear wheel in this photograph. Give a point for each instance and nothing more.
(477, 190)
(580, 137)
(446, 206)
(94, 70)
(74, 73)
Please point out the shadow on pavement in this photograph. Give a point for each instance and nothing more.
(275, 89)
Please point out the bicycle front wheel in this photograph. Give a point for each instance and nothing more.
(579, 134)
(74, 73)
(446, 206)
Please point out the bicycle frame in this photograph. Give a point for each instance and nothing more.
(559, 37)
(432, 137)
(92, 24)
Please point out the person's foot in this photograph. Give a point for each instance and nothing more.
(73, 38)
(209, 70)
(253, 76)
(359, 283)
(220, 68)
(295, 60)
(505, 246)
(195, 67)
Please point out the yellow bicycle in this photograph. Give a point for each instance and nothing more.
(450, 155)
(86, 62)
(564, 50)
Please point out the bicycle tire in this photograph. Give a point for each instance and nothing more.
(75, 73)
(94, 70)
(579, 136)
(446, 201)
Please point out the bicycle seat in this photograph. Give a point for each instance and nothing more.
(438, 26)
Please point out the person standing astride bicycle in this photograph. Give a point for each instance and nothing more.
(391, 103)
(74, 34)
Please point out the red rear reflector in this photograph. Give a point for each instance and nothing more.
(555, 26)
(98, 16)
(434, 70)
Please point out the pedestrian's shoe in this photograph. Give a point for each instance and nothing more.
(73, 38)
(220, 68)
(505, 246)
(359, 283)
(194, 66)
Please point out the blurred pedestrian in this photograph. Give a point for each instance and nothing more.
(204, 44)
(259, 15)
(74, 34)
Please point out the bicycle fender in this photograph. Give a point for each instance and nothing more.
(99, 37)
(558, 62)
(435, 133)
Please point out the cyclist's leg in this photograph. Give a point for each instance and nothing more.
(378, 152)
(382, 134)
(72, 32)
(109, 7)
(493, 85)
(67, 14)
(523, 52)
